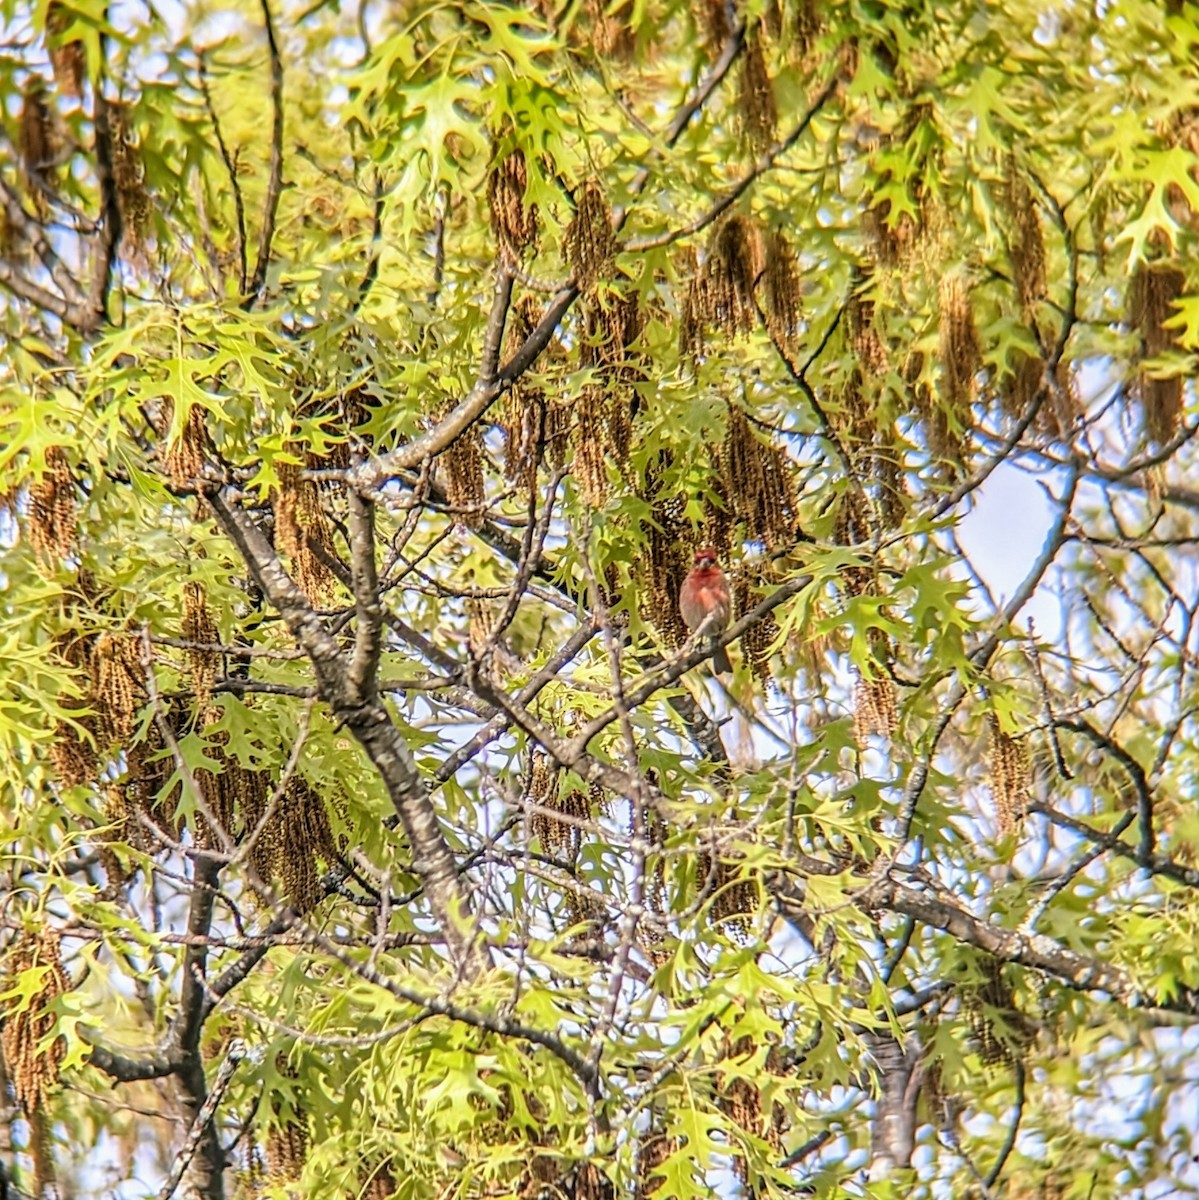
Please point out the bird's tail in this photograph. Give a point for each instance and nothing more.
(720, 662)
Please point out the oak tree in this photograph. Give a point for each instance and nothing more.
(371, 373)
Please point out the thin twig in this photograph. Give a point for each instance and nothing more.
(274, 185)
(731, 197)
(239, 206)
(1010, 1141)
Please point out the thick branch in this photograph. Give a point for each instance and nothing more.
(205, 1172)
(1028, 949)
(368, 621)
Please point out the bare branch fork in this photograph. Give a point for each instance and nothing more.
(352, 700)
(369, 475)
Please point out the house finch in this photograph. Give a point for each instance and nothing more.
(705, 604)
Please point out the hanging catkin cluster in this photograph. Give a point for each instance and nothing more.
(1027, 245)
(1060, 405)
(117, 685)
(187, 454)
(755, 98)
(338, 416)
(734, 894)
(67, 55)
(288, 838)
(591, 1184)
(556, 837)
(286, 1140)
(749, 584)
(852, 529)
(480, 621)
(867, 345)
(378, 1183)
(543, 1169)
(140, 795)
(943, 432)
(299, 835)
(72, 749)
(199, 628)
(302, 533)
(610, 331)
(588, 438)
(664, 566)
(722, 291)
(531, 423)
(716, 21)
(590, 243)
(31, 1057)
(286, 1152)
(758, 484)
(781, 289)
(53, 518)
(961, 355)
(653, 1151)
(227, 791)
(1155, 287)
(1001, 1031)
(1023, 385)
(604, 413)
(854, 415)
(890, 485)
(583, 906)
(874, 707)
(512, 221)
(809, 23)
(742, 1100)
(36, 140)
(611, 34)
(460, 467)
(129, 175)
(892, 240)
(1007, 760)
(899, 233)
(288, 841)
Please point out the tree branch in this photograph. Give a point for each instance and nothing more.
(239, 207)
(369, 722)
(368, 622)
(731, 197)
(275, 182)
(201, 1126)
(109, 232)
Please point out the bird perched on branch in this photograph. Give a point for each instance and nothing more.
(705, 604)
